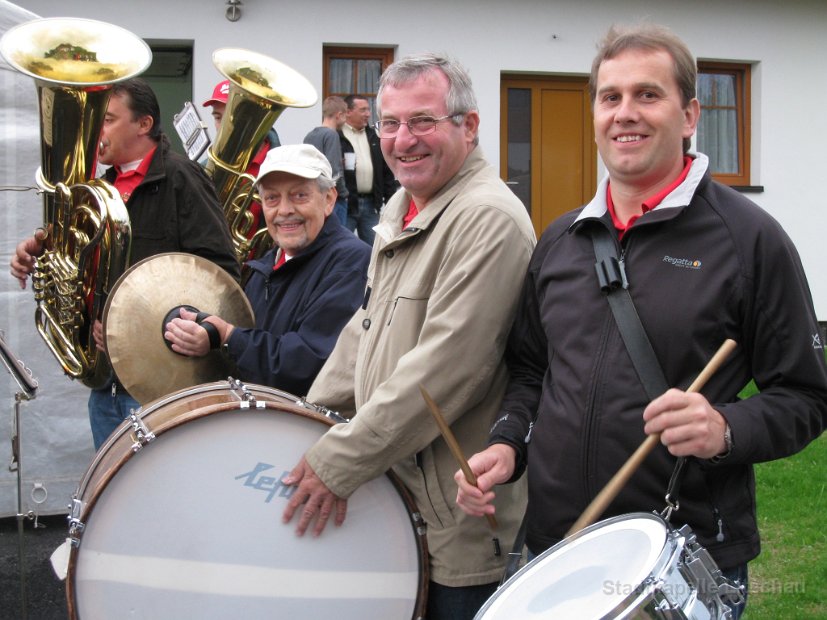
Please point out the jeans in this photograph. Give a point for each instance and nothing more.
(741, 575)
(463, 603)
(107, 409)
(340, 210)
(365, 220)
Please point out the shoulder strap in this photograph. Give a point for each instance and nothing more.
(611, 275)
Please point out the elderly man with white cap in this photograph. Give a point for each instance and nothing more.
(302, 292)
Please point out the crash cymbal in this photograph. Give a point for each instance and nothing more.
(138, 308)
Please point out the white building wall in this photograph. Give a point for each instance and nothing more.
(787, 40)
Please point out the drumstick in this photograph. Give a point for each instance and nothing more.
(618, 481)
(449, 438)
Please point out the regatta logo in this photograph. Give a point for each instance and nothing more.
(685, 263)
(270, 485)
(817, 341)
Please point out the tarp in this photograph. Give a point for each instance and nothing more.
(55, 440)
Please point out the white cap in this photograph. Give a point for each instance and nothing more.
(303, 160)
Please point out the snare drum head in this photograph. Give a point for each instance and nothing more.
(586, 577)
(190, 526)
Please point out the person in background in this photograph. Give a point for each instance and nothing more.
(302, 292)
(370, 183)
(172, 208)
(326, 139)
(218, 103)
(443, 283)
(703, 264)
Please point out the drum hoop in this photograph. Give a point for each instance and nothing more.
(640, 591)
(417, 523)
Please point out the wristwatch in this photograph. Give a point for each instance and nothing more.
(727, 446)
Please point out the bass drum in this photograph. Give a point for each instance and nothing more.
(633, 566)
(179, 515)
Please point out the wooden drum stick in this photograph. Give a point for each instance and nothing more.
(449, 438)
(619, 480)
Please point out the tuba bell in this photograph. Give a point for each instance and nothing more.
(260, 89)
(74, 63)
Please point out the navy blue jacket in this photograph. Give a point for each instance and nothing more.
(300, 309)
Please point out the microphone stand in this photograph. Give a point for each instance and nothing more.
(27, 390)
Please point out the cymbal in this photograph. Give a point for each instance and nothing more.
(136, 312)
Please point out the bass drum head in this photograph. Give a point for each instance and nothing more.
(587, 576)
(190, 526)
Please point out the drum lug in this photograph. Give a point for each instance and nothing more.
(419, 523)
(328, 413)
(141, 435)
(75, 524)
(713, 588)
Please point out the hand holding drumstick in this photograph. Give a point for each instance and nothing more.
(678, 405)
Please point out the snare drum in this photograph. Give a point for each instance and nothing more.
(179, 515)
(631, 566)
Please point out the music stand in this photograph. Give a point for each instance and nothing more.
(192, 131)
(27, 390)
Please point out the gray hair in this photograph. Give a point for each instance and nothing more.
(325, 183)
(460, 97)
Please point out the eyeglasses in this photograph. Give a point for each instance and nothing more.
(418, 125)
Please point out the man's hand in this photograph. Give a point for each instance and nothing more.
(22, 263)
(688, 424)
(492, 466)
(97, 334)
(319, 501)
(189, 338)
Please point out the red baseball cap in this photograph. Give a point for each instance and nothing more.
(220, 94)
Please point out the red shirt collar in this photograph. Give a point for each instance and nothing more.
(410, 215)
(126, 182)
(648, 204)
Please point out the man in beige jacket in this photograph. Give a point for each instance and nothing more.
(450, 255)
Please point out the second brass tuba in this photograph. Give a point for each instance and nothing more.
(260, 89)
(74, 63)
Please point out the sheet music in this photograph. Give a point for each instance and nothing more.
(192, 131)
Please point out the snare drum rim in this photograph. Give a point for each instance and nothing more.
(639, 592)
(416, 522)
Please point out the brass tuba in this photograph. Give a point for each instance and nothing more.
(260, 89)
(74, 63)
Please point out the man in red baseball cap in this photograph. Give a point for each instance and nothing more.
(218, 101)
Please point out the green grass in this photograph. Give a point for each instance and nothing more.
(789, 577)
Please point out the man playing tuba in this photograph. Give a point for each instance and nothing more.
(172, 207)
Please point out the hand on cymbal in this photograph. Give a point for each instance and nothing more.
(189, 338)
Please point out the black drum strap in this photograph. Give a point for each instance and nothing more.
(516, 553)
(611, 275)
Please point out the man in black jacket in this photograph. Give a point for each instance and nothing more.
(369, 181)
(703, 264)
(172, 207)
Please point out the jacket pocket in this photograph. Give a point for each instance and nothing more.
(432, 501)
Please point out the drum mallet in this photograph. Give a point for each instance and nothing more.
(449, 438)
(619, 480)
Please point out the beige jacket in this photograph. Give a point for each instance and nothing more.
(442, 297)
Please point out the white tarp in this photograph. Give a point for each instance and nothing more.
(56, 443)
